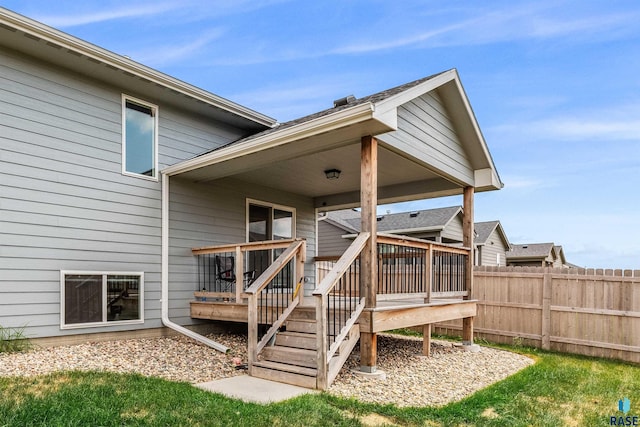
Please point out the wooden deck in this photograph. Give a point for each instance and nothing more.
(387, 315)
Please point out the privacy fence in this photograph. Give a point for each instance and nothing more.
(582, 311)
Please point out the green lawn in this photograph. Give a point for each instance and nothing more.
(558, 390)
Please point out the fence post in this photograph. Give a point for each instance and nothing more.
(547, 281)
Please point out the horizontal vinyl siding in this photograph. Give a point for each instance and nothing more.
(426, 132)
(330, 241)
(454, 230)
(214, 214)
(64, 203)
(491, 248)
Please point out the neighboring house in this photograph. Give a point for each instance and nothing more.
(113, 173)
(491, 244)
(536, 255)
(443, 225)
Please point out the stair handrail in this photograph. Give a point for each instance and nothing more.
(252, 293)
(325, 349)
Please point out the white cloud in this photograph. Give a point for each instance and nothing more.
(608, 123)
(132, 11)
(169, 53)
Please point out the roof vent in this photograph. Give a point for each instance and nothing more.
(413, 214)
(379, 218)
(525, 246)
(344, 101)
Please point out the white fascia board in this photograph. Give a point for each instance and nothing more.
(342, 118)
(73, 44)
(487, 178)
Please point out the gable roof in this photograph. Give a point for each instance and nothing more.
(530, 251)
(415, 221)
(343, 126)
(374, 98)
(49, 44)
(485, 229)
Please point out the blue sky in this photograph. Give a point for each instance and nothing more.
(555, 86)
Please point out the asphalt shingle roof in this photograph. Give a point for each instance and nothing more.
(428, 218)
(484, 230)
(530, 250)
(376, 97)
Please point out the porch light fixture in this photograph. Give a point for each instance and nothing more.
(332, 173)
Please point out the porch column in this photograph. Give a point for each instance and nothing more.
(467, 241)
(369, 256)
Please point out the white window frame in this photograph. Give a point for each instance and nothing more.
(155, 110)
(272, 206)
(104, 321)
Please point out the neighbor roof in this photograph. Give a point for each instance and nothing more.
(484, 229)
(423, 220)
(530, 250)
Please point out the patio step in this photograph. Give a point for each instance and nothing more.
(284, 373)
(296, 340)
(293, 357)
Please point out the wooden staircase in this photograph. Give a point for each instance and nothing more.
(292, 357)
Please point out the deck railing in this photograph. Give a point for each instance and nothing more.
(226, 271)
(273, 296)
(409, 267)
(338, 306)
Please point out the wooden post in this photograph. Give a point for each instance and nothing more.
(426, 339)
(467, 241)
(429, 272)
(368, 221)
(239, 274)
(301, 258)
(252, 332)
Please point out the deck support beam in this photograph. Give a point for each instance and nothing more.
(467, 241)
(368, 223)
(426, 339)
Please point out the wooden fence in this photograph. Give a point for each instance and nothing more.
(590, 312)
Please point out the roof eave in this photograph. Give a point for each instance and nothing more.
(339, 119)
(50, 35)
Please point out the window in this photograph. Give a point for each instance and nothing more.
(100, 299)
(267, 222)
(139, 138)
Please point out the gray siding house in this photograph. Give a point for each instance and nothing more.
(83, 136)
(491, 244)
(536, 255)
(443, 225)
(131, 201)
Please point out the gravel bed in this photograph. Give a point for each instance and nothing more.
(449, 374)
(411, 380)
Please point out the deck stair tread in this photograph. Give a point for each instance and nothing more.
(291, 355)
(285, 367)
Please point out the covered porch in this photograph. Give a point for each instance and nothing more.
(415, 141)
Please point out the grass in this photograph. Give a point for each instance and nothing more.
(558, 390)
(13, 340)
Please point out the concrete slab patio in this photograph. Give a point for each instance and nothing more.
(255, 390)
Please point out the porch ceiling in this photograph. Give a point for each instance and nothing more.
(399, 178)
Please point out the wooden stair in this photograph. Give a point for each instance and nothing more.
(293, 357)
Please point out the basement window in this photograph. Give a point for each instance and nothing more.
(100, 299)
(139, 138)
